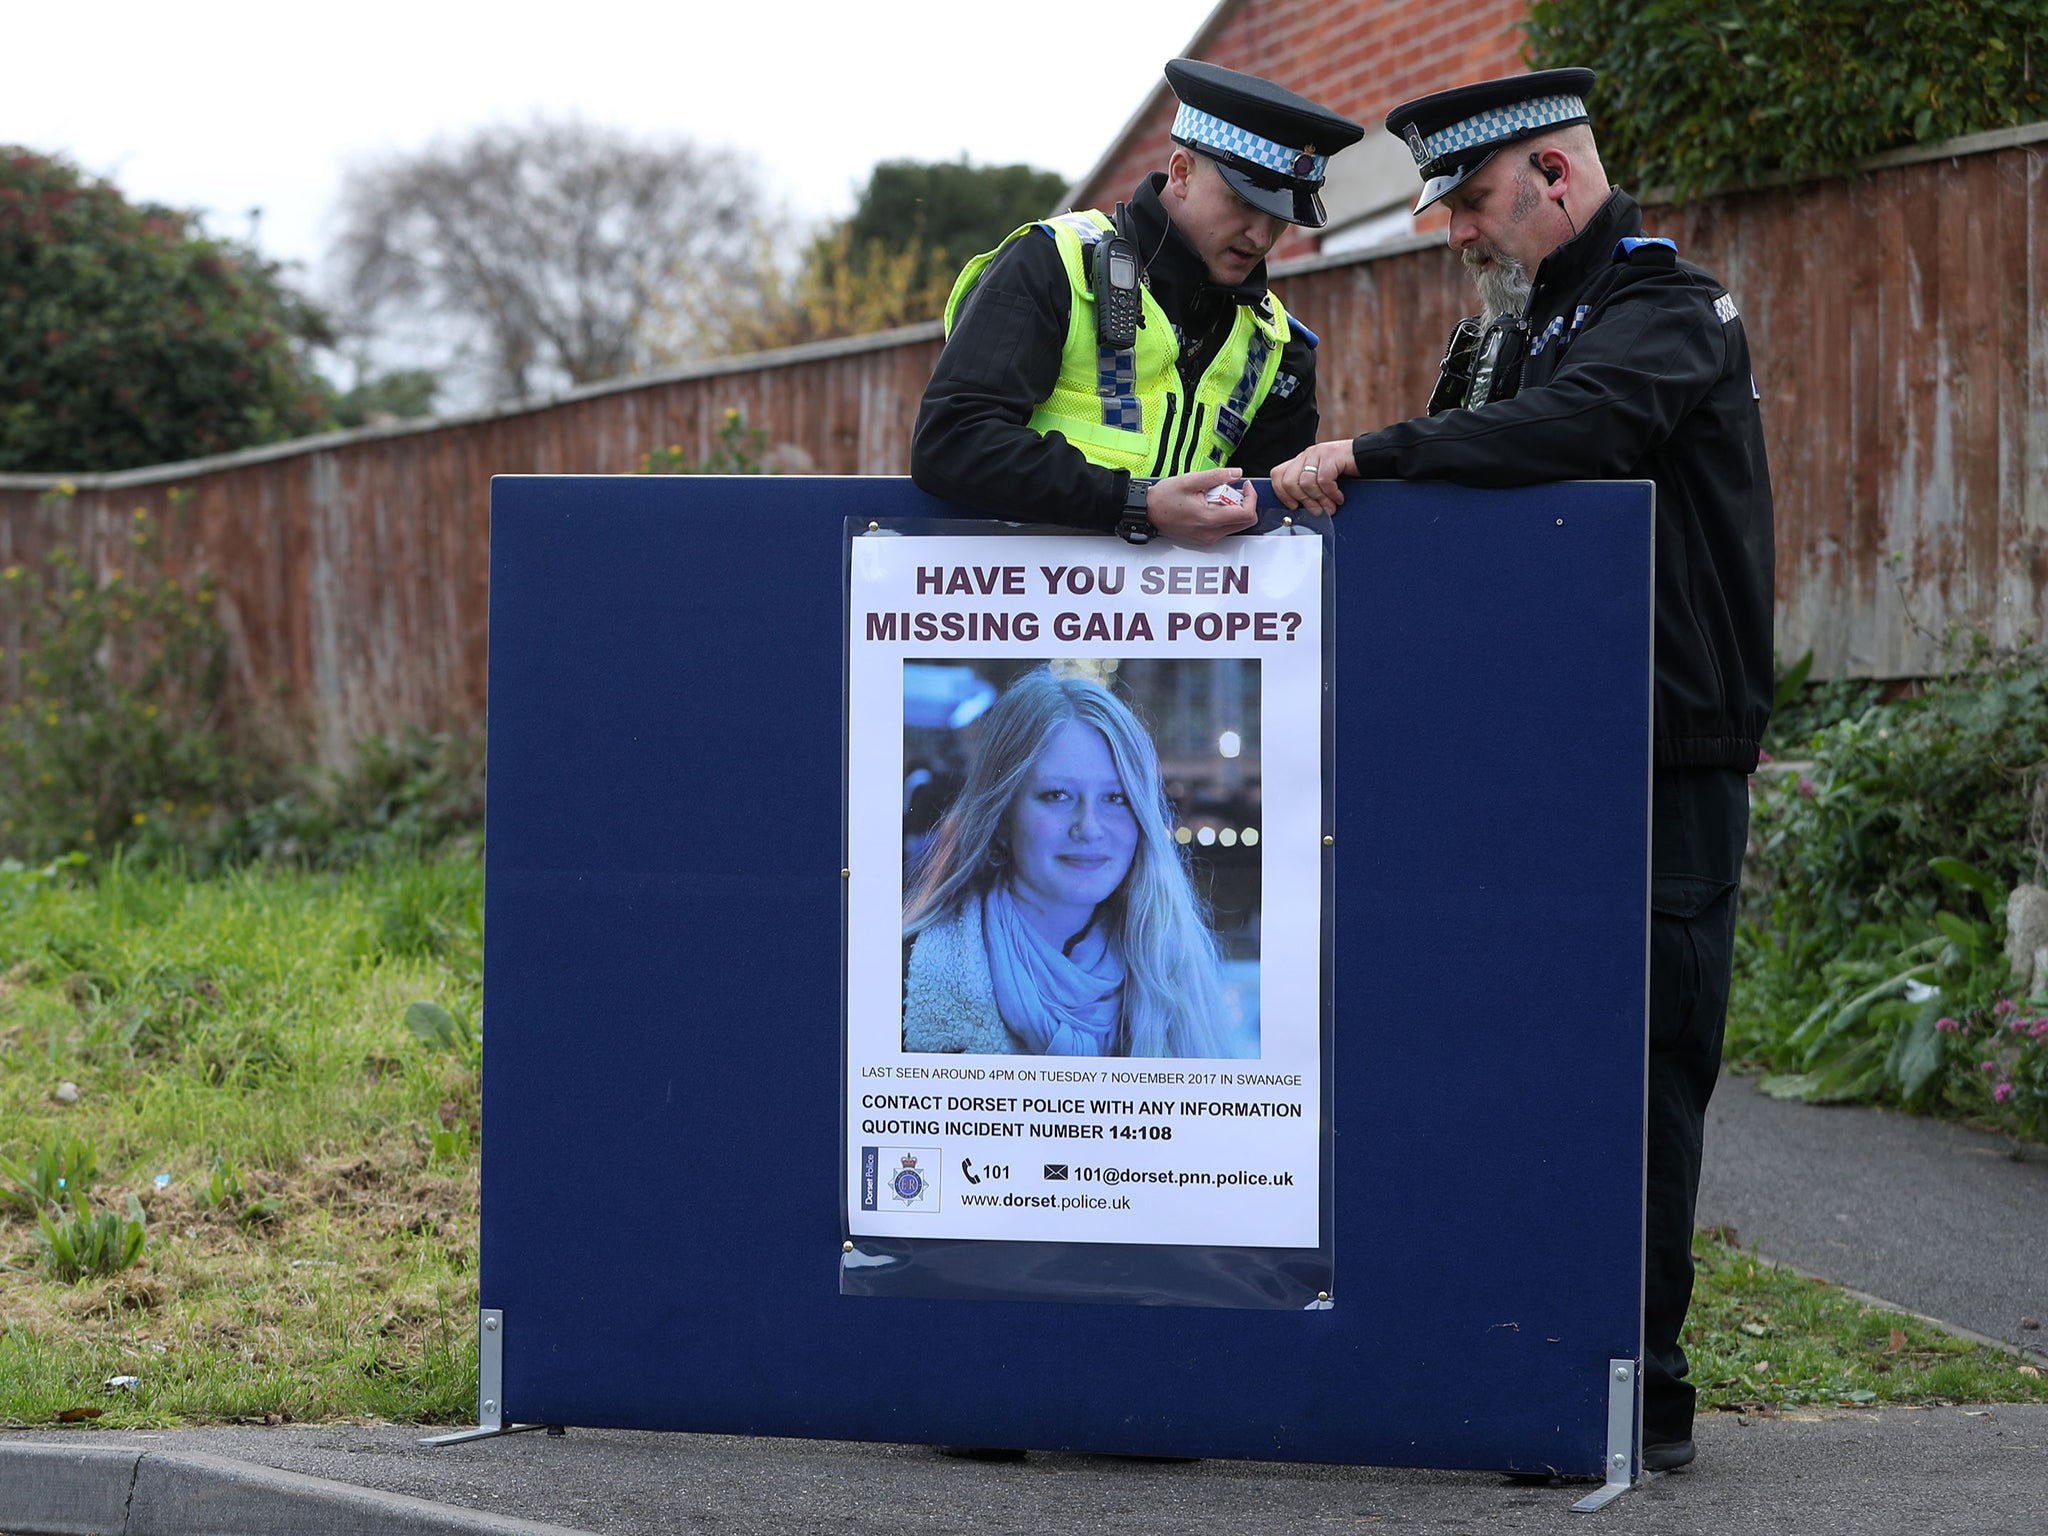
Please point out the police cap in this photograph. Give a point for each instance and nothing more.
(1272, 146)
(1453, 133)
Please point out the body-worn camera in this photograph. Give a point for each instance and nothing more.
(1454, 374)
(1482, 363)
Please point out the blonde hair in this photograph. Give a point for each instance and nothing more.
(1173, 1000)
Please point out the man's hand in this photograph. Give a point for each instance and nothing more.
(1177, 508)
(1310, 478)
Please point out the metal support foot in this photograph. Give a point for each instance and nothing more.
(462, 1436)
(490, 1388)
(1622, 1450)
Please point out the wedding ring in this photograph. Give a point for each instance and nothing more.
(1310, 469)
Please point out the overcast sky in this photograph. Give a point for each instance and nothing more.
(223, 106)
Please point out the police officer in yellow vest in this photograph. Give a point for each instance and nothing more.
(1110, 370)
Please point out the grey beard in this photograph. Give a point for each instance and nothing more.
(1503, 287)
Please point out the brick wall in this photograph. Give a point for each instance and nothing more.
(1358, 57)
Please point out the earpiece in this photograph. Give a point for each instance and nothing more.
(1550, 176)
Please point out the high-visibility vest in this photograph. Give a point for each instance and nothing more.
(1130, 409)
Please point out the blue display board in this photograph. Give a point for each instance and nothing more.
(662, 1081)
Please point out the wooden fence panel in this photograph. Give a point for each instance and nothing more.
(1900, 329)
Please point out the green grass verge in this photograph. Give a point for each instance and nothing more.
(1761, 1337)
(312, 1254)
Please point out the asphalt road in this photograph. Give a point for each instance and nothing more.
(1942, 1472)
(1937, 1218)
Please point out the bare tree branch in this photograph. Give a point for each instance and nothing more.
(543, 248)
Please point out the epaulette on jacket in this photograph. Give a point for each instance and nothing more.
(1647, 250)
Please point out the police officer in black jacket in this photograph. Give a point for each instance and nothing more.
(1603, 355)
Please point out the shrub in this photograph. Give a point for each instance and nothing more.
(128, 337)
(1696, 96)
(1801, 710)
(1949, 772)
(1870, 961)
(1920, 1013)
(413, 793)
(116, 685)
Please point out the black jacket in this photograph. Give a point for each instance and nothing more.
(973, 442)
(1636, 368)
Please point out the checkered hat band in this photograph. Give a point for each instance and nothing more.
(1516, 121)
(1213, 133)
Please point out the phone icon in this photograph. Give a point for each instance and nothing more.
(967, 1167)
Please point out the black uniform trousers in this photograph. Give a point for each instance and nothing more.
(1699, 819)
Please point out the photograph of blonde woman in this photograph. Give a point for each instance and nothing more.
(1061, 896)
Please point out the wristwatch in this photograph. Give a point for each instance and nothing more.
(1134, 527)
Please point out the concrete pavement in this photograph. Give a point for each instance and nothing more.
(1932, 1216)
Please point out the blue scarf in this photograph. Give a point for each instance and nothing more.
(1053, 1003)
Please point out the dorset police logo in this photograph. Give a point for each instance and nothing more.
(911, 1178)
(908, 1183)
(900, 1178)
(1414, 138)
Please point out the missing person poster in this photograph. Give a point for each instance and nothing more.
(1084, 914)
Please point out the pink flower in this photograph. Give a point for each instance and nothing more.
(1987, 1066)
(1763, 756)
(2005, 1005)
(2001, 1093)
(2040, 1029)
(1806, 786)
(1947, 1026)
